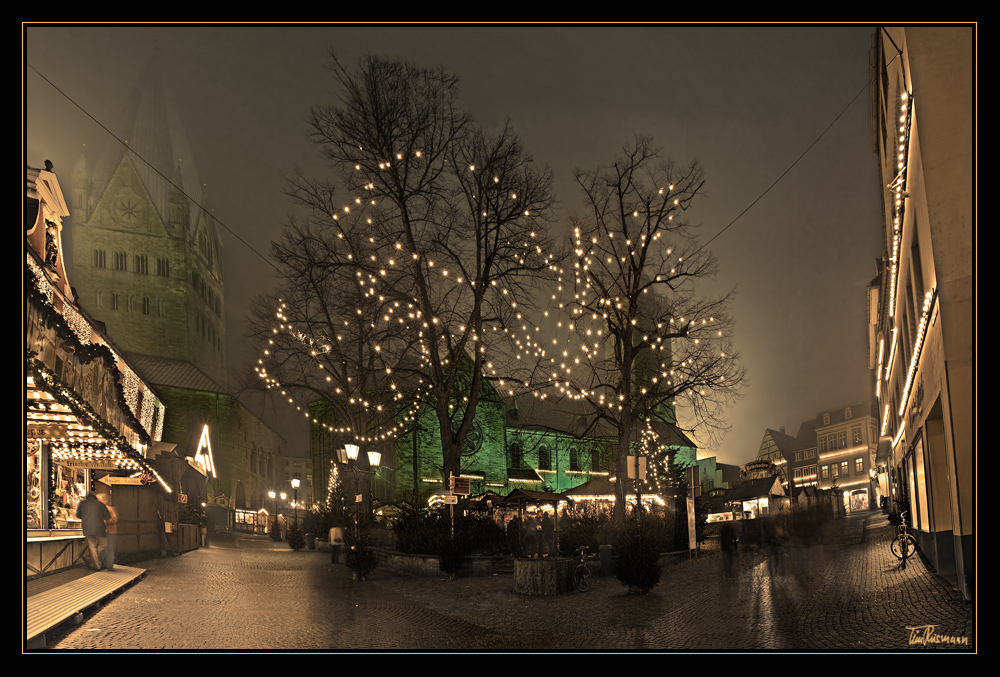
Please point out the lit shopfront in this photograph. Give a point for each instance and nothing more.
(89, 418)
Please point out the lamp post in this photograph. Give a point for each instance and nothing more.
(349, 456)
(295, 499)
(274, 509)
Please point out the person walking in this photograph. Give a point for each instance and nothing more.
(548, 535)
(111, 526)
(92, 515)
(336, 542)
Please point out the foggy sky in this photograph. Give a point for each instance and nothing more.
(746, 102)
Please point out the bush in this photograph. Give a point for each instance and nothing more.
(428, 532)
(293, 534)
(637, 555)
(584, 530)
(361, 558)
(194, 514)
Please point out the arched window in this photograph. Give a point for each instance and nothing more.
(544, 458)
(516, 455)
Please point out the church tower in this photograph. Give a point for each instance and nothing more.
(147, 257)
(148, 263)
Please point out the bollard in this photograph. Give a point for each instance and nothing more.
(607, 560)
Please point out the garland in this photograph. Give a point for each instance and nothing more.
(82, 409)
(84, 352)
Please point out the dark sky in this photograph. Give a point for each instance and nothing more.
(745, 101)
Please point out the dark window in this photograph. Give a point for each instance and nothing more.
(544, 458)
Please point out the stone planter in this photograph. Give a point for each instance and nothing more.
(430, 565)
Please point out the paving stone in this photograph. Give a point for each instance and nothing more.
(249, 594)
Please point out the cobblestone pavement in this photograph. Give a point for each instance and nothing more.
(847, 594)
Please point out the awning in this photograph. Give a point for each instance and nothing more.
(75, 435)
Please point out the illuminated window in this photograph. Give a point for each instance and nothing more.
(859, 465)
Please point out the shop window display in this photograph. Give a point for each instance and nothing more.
(33, 486)
(70, 489)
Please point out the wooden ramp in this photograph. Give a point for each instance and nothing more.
(50, 600)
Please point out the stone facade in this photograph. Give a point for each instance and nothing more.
(147, 262)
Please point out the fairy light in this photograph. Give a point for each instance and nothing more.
(898, 188)
(918, 343)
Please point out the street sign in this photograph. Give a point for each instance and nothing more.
(637, 467)
(461, 486)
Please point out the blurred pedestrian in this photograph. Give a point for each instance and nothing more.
(548, 533)
(336, 542)
(111, 526)
(727, 537)
(92, 514)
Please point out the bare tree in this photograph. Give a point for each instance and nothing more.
(418, 269)
(644, 342)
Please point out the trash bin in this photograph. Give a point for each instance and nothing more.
(311, 541)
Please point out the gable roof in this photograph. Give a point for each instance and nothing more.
(751, 489)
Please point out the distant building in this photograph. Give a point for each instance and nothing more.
(922, 304)
(148, 263)
(836, 449)
(524, 443)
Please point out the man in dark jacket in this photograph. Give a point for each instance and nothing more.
(92, 513)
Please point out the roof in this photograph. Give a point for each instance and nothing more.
(807, 431)
(785, 443)
(523, 475)
(597, 486)
(750, 489)
(577, 419)
(175, 373)
(528, 496)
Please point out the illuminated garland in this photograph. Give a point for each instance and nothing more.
(46, 380)
(127, 383)
(898, 186)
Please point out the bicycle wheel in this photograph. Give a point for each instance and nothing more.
(910, 547)
(581, 577)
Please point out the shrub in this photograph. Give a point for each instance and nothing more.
(361, 558)
(293, 534)
(637, 562)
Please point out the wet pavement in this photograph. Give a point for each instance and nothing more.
(845, 594)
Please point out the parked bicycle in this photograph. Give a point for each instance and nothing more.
(581, 574)
(904, 545)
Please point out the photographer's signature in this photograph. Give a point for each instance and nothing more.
(924, 635)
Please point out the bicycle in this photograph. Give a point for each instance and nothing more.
(904, 545)
(581, 574)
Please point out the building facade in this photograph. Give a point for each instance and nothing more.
(921, 306)
(148, 263)
(833, 451)
(92, 423)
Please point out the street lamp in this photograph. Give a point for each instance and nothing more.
(295, 500)
(349, 455)
(274, 509)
